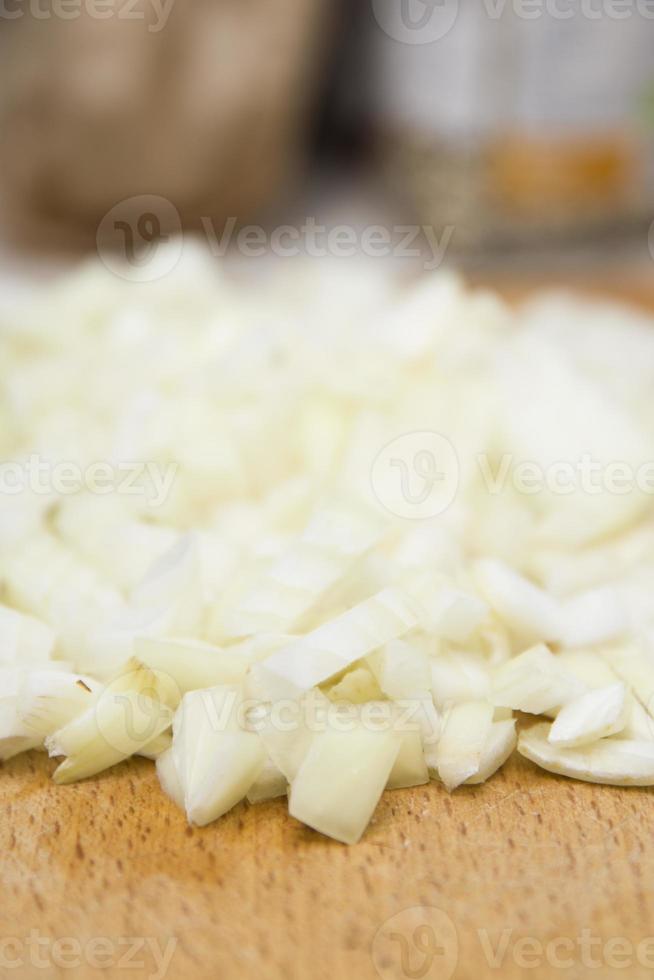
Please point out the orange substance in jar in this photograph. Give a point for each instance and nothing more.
(532, 175)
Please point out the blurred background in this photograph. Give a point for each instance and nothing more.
(514, 136)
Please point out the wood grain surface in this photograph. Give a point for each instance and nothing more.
(528, 875)
(526, 856)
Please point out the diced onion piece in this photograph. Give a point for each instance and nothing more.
(409, 768)
(173, 583)
(24, 639)
(286, 729)
(317, 656)
(119, 724)
(169, 778)
(50, 699)
(256, 648)
(356, 686)
(110, 647)
(421, 712)
(52, 583)
(192, 664)
(139, 678)
(217, 759)
(637, 671)
(530, 612)
(457, 677)
(334, 539)
(638, 723)
(269, 784)
(449, 612)
(157, 747)
(592, 617)
(401, 668)
(341, 780)
(502, 740)
(465, 732)
(615, 761)
(15, 736)
(593, 715)
(534, 682)
(105, 534)
(590, 668)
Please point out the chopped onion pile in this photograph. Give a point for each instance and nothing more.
(289, 595)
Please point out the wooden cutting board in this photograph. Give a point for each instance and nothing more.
(528, 875)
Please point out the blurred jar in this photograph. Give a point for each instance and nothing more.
(517, 120)
(199, 101)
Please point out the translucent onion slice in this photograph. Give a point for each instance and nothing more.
(615, 761)
(637, 671)
(466, 730)
(589, 667)
(401, 669)
(317, 656)
(278, 601)
(287, 728)
(269, 784)
(217, 759)
(109, 648)
(502, 740)
(592, 617)
(341, 779)
(105, 533)
(192, 664)
(52, 583)
(169, 778)
(457, 677)
(50, 699)
(356, 686)
(173, 583)
(119, 724)
(638, 723)
(159, 745)
(534, 682)
(15, 735)
(24, 639)
(530, 612)
(409, 768)
(594, 715)
(449, 612)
